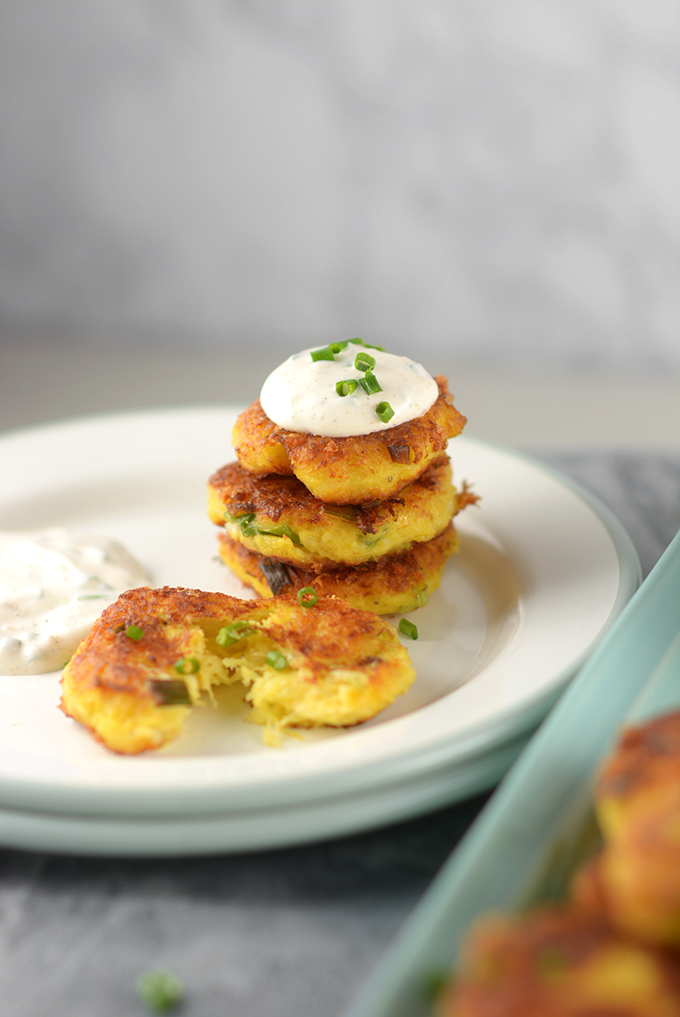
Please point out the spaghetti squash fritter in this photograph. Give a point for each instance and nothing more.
(635, 879)
(277, 517)
(354, 469)
(393, 584)
(559, 961)
(154, 654)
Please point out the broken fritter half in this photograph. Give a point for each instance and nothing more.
(151, 657)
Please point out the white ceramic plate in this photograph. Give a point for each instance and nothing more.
(542, 572)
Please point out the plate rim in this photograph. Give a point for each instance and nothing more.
(452, 752)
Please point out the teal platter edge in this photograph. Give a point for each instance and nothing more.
(632, 675)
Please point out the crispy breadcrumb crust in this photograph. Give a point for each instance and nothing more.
(324, 535)
(343, 665)
(393, 584)
(352, 470)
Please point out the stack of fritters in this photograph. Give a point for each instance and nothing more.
(365, 518)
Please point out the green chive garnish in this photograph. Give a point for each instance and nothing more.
(187, 665)
(231, 634)
(370, 383)
(170, 691)
(276, 660)
(159, 990)
(248, 528)
(307, 596)
(134, 632)
(345, 388)
(325, 354)
(336, 348)
(367, 346)
(407, 628)
(280, 531)
(364, 362)
(384, 411)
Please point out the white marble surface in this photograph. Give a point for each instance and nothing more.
(498, 180)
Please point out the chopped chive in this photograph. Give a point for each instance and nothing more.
(307, 596)
(384, 411)
(231, 634)
(277, 660)
(370, 383)
(247, 526)
(407, 628)
(134, 632)
(283, 530)
(93, 596)
(336, 348)
(224, 637)
(291, 534)
(170, 691)
(159, 990)
(187, 665)
(364, 362)
(367, 346)
(344, 388)
(325, 354)
(341, 511)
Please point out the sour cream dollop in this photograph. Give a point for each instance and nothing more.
(54, 584)
(300, 395)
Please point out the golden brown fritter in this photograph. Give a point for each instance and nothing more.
(393, 584)
(636, 878)
(560, 962)
(646, 757)
(152, 654)
(349, 471)
(277, 517)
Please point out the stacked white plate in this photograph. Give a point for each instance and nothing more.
(543, 571)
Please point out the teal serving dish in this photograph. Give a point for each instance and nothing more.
(524, 842)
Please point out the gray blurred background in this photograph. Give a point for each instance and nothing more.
(489, 186)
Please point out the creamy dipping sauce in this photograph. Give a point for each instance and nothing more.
(53, 586)
(301, 395)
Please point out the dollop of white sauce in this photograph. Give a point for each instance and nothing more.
(300, 394)
(54, 584)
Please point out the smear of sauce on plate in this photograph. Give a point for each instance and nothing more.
(54, 584)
